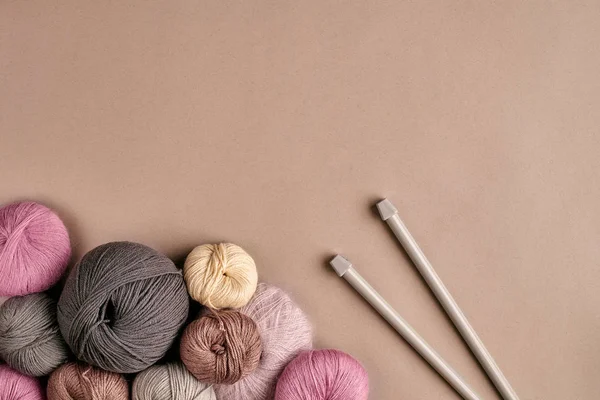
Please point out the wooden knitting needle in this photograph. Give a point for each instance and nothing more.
(389, 214)
(345, 270)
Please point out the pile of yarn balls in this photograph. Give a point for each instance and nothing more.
(129, 324)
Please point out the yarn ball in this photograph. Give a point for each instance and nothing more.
(323, 375)
(83, 382)
(285, 331)
(34, 248)
(221, 347)
(16, 386)
(30, 340)
(122, 307)
(220, 275)
(170, 382)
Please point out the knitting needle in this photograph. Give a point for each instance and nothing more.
(345, 270)
(389, 214)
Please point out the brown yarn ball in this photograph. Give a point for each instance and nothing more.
(221, 347)
(82, 382)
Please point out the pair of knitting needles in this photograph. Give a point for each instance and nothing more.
(344, 269)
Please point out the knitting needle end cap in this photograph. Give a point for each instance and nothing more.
(340, 265)
(386, 209)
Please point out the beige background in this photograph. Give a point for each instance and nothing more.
(277, 125)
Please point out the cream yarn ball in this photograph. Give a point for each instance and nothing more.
(220, 275)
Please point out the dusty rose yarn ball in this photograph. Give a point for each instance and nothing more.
(221, 347)
(83, 382)
(34, 248)
(15, 386)
(323, 375)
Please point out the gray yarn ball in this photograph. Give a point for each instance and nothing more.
(30, 340)
(122, 307)
(170, 382)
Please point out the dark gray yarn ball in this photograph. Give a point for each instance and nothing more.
(30, 340)
(122, 307)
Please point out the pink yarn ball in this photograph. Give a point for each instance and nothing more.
(323, 375)
(284, 330)
(34, 248)
(15, 386)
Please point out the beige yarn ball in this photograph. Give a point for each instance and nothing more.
(220, 275)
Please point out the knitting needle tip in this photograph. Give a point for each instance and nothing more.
(340, 265)
(386, 209)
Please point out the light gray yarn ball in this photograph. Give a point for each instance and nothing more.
(30, 340)
(170, 382)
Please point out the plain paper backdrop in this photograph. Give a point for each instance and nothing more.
(276, 125)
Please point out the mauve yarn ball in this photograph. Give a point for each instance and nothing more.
(323, 375)
(220, 275)
(122, 307)
(16, 386)
(170, 382)
(83, 382)
(284, 330)
(221, 347)
(34, 248)
(30, 340)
